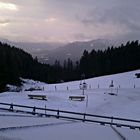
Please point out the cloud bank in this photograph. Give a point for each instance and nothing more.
(69, 20)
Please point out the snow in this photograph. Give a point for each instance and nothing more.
(124, 103)
(65, 131)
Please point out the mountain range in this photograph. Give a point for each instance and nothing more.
(48, 52)
(72, 50)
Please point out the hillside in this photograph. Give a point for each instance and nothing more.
(72, 50)
(124, 104)
(16, 63)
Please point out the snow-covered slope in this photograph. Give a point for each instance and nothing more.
(126, 86)
(124, 80)
(124, 103)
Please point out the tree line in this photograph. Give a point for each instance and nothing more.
(16, 63)
(112, 60)
(102, 62)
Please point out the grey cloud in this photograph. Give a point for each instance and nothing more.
(129, 36)
(4, 21)
(124, 14)
(81, 36)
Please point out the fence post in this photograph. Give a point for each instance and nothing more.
(58, 113)
(34, 108)
(111, 120)
(11, 107)
(84, 117)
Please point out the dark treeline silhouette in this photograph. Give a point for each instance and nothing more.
(16, 63)
(97, 63)
(112, 60)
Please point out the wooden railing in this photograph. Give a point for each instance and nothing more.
(103, 120)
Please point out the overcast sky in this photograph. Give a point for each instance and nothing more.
(69, 20)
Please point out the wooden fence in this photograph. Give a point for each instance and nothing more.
(103, 120)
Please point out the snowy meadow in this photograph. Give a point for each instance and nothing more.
(120, 100)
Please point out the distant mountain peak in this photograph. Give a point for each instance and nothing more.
(74, 50)
(48, 52)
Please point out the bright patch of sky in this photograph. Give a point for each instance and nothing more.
(8, 6)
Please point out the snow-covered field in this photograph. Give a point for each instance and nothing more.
(125, 104)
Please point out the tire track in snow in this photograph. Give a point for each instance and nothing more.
(118, 133)
(8, 138)
(36, 126)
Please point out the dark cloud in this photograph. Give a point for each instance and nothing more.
(123, 14)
